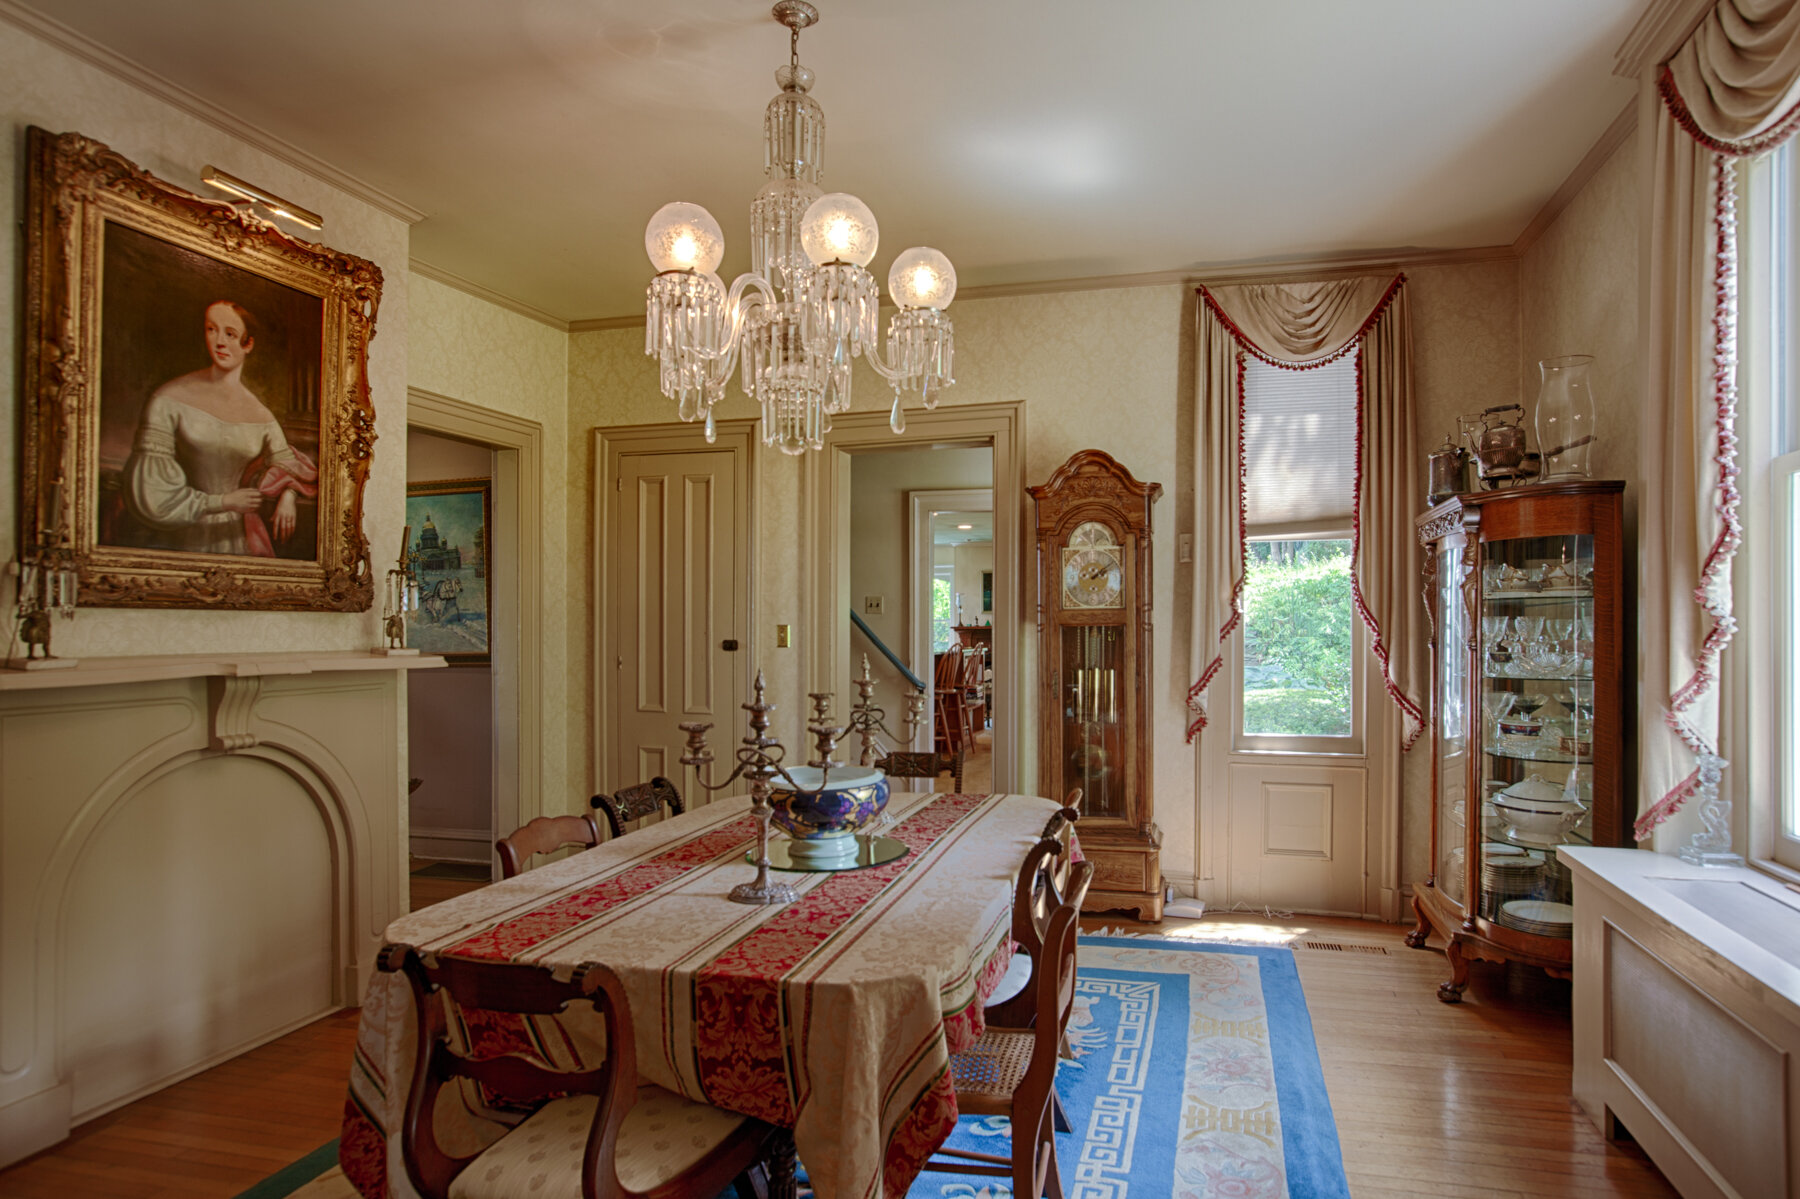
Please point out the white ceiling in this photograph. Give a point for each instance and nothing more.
(1031, 140)
(944, 529)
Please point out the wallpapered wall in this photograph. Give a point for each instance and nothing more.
(485, 355)
(42, 85)
(1096, 369)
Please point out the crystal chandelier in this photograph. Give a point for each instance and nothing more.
(808, 306)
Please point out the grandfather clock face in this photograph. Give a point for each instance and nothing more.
(1092, 574)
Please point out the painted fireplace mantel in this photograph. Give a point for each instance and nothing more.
(199, 853)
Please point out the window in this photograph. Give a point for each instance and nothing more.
(1299, 639)
(1762, 717)
(1298, 666)
(942, 636)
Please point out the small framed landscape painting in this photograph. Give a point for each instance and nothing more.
(447, 547)
(987, 591)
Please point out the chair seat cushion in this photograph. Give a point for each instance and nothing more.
(1014, 981)
(663, 1136)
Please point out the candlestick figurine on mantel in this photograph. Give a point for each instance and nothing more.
(47, 585)
(400, 596)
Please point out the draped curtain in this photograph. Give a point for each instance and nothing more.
(1302, 327)
(1728, 92)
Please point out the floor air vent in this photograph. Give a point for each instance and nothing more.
(1332, 945)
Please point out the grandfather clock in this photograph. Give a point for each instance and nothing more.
(1094, 646)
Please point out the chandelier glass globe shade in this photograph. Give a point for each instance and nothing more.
(922, 278)
(838, 227)
(684, 237)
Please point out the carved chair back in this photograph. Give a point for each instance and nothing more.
(545, 834)
(636, 802)
(511, 1080)
(903, 765)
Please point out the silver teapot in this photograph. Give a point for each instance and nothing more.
(1447, 472)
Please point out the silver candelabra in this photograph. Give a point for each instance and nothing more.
(866, 720)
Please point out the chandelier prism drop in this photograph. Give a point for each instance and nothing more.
(808, 306)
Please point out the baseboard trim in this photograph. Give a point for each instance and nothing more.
(200, 1067)
(34, 1123)
(451, 844)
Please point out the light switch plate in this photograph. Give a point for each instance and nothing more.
(874, 605)
(1184, 547)
(783, 636)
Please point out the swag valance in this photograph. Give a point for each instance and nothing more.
(1730, 90)
(1304, 326)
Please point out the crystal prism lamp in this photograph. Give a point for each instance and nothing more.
(808, 307)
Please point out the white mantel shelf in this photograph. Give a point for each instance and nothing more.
(102, 672)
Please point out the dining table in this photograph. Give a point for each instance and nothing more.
(835, 1015)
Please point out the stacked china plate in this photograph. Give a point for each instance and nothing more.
(1508, 873)
(1540, 917)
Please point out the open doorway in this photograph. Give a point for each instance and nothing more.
(953, 623)
(910, 615)
(859, 511)
(450, 713)
(463, 438)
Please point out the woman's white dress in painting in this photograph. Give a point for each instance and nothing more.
(184, 463)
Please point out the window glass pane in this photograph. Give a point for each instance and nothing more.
(1788, 612)
(1298, 639)
(941, 636)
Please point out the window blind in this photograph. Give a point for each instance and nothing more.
(1299, 447)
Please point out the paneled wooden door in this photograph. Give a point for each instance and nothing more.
(678, 571)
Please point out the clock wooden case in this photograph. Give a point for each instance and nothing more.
(1094, 656)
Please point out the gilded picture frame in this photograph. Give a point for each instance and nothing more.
(448, 550)
(198, 427)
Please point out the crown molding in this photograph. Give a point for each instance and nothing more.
(1284, 270)
(600, 324)
(89, 51)
(438, 274)
(1662, 29)
(1616, 135)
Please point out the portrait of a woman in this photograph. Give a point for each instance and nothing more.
(211, 470)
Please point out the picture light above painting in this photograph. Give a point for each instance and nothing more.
(198, 425)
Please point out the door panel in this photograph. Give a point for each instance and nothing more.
(675, 547)
(1296, 836)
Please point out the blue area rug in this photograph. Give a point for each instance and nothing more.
(1196, 1077)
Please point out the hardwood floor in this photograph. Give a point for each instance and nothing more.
(1469, 1101)
(213, 1135)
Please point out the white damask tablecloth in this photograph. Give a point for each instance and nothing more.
(835, 1016)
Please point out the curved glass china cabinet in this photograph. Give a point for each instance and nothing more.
(1525, 591)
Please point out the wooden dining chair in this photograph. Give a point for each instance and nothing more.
(544, 834)
(974, 693)
(948, 717)
(1012, 1073)
(596, 1134)
(636, 802)
(903, 765)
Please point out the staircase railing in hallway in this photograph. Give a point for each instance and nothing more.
(887, 653)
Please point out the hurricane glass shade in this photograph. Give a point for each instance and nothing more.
(684, 237)
(838, 227)
(1565, 416)
(922, 278)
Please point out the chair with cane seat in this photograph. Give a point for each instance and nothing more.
(1012, 1072)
